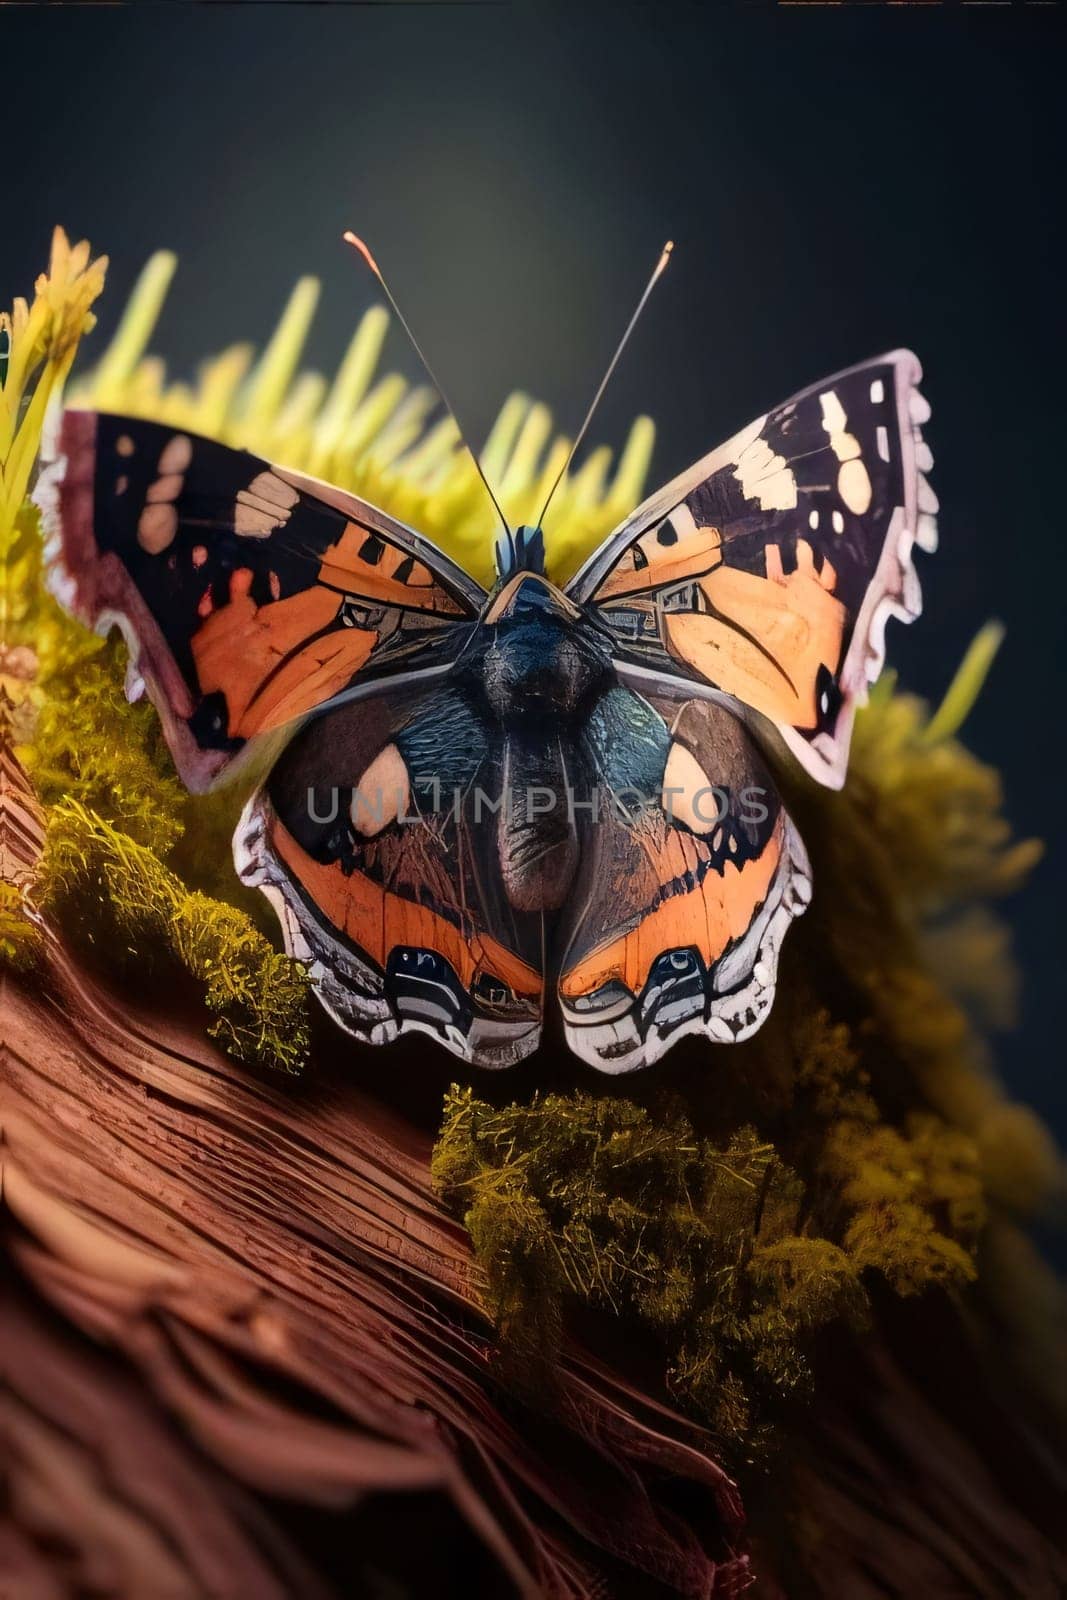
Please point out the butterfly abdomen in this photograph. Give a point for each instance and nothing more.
(536, 833)
(541, 674)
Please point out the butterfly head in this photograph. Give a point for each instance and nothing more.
(520, 550)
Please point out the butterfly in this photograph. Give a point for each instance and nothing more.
(485, 789)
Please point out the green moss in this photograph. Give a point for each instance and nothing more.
(125, 774)
(573, 1200)
(115, 897)
(20, 937)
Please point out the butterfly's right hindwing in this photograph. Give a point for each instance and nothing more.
(685, 892)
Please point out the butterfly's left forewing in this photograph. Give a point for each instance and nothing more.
(768, 570)
(249, 595)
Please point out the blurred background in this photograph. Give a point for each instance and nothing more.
(838, 181)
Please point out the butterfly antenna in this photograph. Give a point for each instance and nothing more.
(657, 272)
(357, 244)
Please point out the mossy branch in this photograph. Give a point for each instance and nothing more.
(575, 1200)
(118, 897)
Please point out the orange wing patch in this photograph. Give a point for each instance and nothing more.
(670, 553)
(274, 662)
(764, 639)
(709, 917)
(377, 921)
(364, 564)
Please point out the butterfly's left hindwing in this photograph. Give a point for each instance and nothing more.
(769, 569)
(248, 594)
(375, 839)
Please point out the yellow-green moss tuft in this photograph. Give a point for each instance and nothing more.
(572, 1199)
(20, 937)
(117, 899)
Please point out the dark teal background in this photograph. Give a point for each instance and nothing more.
(837, 180)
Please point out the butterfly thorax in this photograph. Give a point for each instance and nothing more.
(540, 675)
(538, 661)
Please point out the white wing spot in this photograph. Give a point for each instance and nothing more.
(854, 486)
(156, 528)
(766, 477)
(845, 446)
(877, 392)
(267, 486)
(166, 487)
(175, 455)
(685, 783)
(264, 506)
